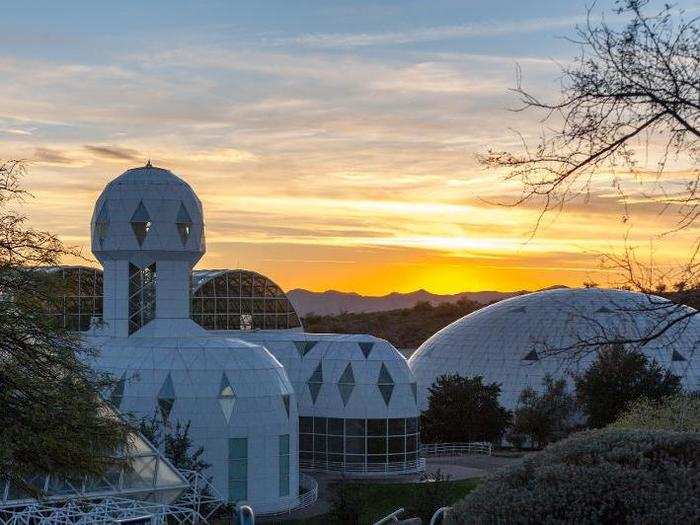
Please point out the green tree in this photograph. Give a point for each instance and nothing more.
(51, 415)
(463, 409)
(543, 418)
(616, 379)
(175, 442)
(680, 413)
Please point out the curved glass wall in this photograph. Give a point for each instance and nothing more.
(359, 445)
(240, 300)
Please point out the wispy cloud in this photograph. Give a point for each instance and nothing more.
(430, 34)
(115, 152)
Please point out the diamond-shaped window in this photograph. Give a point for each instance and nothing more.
(304, 347)
(141, 223)
(166, 397)
(414, 391)
(385, 383)
(184, 224)
(531, 356)
(603, 310)
(346, 383)
(102, 224)
(117, 394)
(366, 348)
(285, 402)
(315, 382)
(677, 356)
(227, 397)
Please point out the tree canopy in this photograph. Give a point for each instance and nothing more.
(51, 419)
(463, 409)
(616, 379)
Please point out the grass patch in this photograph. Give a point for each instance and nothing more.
(379, 499)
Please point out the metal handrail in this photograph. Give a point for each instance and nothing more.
(440, 513)
(453, 449)
(305, 500)
(400, 467)
(391, 518)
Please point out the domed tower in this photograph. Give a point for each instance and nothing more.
(148, 232)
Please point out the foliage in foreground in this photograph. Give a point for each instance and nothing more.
(680, 413)
(617, 378)
(543, 418)
(51, 417)
(463, 409)
(597, 476)
(174, 442)
(373, 501)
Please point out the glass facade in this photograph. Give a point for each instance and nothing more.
(240, 300)
(142, 296)
(81, 299)
(237, 469)
(284, 465)
(358, 444)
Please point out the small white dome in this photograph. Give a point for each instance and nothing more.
(506, 342)
(145, 212)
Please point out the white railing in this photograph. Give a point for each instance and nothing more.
(440, 515)
(455, 449)
(391, 518)
(400, 467)
(307, 499)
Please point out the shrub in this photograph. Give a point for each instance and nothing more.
(542, 418)
(616, 379)
(598, 476)
(463, 409)
(680, 413)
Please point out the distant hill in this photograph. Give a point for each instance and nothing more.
(405, 328)
(332, 302)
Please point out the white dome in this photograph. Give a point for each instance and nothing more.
(506, 342)
(227, 389)
(145, 212)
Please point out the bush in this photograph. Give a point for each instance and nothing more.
(680, 413)
(542, 418)
(463, 409)
(616, 379)
(598, 476)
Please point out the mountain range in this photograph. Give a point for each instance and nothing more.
(332, 302)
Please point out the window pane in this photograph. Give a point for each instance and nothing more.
(376, 427)
(355, 445)
(411, 425)
(376, 445)
(306, 442)
(396, 445)
(354, 427)
(335, 444)
(411, 443)
(376, 459)
(396, 427)
(306, 424)
(335, 426)
(237, 448)
(284, 444)
(319, 443)
(319, 425)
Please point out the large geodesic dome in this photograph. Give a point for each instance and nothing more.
(516, 342)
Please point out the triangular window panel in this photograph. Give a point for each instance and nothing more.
(519, 310)
(385, 383)
(603, 310)
(184, 224)
(677, 356)
(346, 384)
(102, 224)
(166, 397)
(227, 397)
(118, 393)
(531, 356)
(366, 349)
(304, 347)
(285, 402)
(414, 391)
(141, 223)
(315, 382)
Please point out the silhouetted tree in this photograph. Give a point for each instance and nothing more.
(543, 418)
(616, 379)
(463, 409)
(51, 417)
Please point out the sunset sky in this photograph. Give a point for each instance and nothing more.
(332, 143)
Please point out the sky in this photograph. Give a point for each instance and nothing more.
(332, 143)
